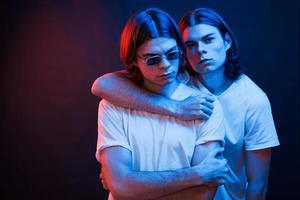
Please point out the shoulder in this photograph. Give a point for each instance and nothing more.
(184, 91)
(217, 116)
(212, 129)
(106, 105)
(217, 111)
(109, 109)
(253, 95)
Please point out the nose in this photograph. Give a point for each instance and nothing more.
(165, 63)
(201, 48)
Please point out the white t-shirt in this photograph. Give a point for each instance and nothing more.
(157, 142)
(249, 126)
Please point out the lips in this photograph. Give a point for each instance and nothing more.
(204, 61)
(166, 75)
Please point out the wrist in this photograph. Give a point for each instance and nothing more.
(198, 180)
(173, 108)
(169, 106)
(191, 176)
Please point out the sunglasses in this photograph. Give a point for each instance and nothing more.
(155, 60)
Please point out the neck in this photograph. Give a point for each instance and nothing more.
(216, 82)
(165, 90)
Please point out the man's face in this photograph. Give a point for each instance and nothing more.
(158, 60)
(206, 48)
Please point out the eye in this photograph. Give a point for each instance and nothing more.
(154, 60)
(173, 55)
(208, 39)
(190, 44)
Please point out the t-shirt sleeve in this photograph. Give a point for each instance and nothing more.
(212, 129)
(260, 130)
(110, 128)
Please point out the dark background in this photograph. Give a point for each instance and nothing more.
(51, 51)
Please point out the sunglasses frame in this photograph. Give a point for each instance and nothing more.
(161, 56)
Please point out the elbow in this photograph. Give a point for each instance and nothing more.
(97, 86)
(103, 84)
(118, 191)
(122, 190)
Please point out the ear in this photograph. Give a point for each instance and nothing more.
(135, 63)
(228, 41)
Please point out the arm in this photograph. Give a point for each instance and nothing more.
(125, 183)
(260, 136)
(258, 164)
(117, 88)
(212, 170)
(213, 173)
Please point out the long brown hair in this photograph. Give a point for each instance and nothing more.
(142, 26)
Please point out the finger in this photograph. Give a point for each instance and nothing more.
(208, 104)
(215, 184)
(210, 98)
(225, 177)
(222, 181)
(223, 166)
(204, 115)
(227, 169)
(216, 152)
(205, 96)
(104, 187)
(206, 110)
(102, 181)
(104, 184)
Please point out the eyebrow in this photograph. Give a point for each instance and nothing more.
(205, 36)
(155, 54)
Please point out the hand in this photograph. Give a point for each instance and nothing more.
(102, 178)
(196, 107)
(213, 169)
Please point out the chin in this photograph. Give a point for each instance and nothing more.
(209, 68)
(200, 69)
(168, 81)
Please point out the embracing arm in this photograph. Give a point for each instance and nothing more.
(117, 88)
(125, 183)
(258, 164)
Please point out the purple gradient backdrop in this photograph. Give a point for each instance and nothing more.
(53, 50)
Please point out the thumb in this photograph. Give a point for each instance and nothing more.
(216, 152)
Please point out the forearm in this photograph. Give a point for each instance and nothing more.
(152, 185)
(204, 157)
(193, 193)
(208, 160)
(258, 165)
(117, 88)
(256, 191)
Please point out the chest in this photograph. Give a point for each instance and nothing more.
(167, 142)
(159, 131)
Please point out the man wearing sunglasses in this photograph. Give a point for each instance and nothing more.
(150, 156)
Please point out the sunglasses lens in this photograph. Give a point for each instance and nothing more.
(155, 60)
(173, 55)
